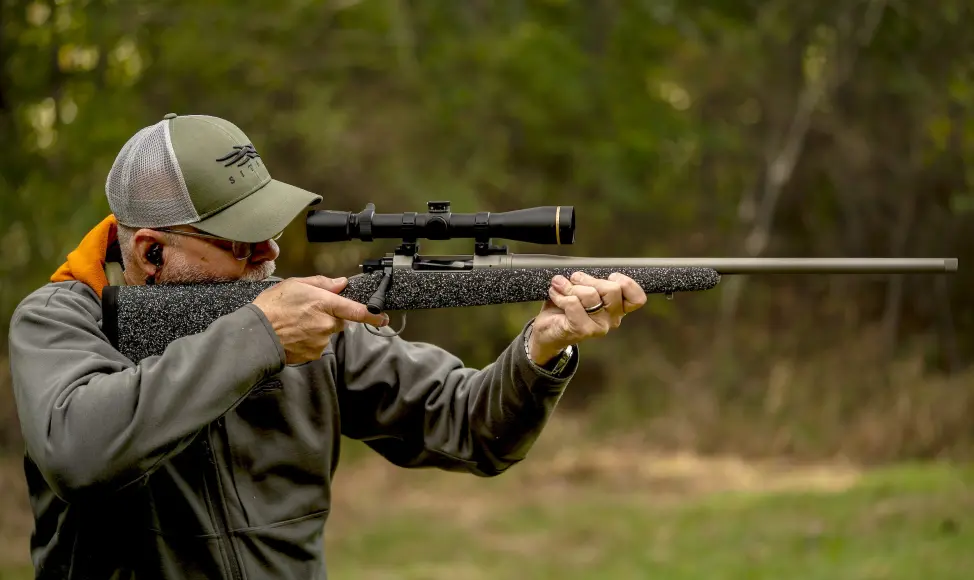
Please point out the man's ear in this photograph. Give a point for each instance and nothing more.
(148, 251)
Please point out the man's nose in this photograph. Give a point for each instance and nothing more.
(265, 252)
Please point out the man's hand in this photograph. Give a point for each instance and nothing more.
(306, 312)
(563, 320)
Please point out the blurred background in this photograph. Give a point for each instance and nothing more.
(779, 426)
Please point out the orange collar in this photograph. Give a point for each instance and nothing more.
(86, 263)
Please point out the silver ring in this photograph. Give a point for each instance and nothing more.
(596, 308)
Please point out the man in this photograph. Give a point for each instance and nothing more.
(214, 459)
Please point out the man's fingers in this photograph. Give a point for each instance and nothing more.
(332, 304)
(580, 320)
(352, 311)
(572, 307)
(609, 290)
(335, 285)
(587, 295)
(337, 325)
(633, 295)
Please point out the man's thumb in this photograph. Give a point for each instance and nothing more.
(335, 285)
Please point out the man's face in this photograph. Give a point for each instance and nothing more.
(205, 260)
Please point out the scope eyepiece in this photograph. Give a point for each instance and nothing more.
(537, 225)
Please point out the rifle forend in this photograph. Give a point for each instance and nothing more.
(141, 321)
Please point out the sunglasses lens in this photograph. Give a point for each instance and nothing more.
(241, 250)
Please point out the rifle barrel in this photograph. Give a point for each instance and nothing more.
(750, 265)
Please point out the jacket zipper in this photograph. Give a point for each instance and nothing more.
(220, 511)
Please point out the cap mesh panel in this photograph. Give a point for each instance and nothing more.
(145, 187)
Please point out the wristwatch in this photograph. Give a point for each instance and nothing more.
(555, 366)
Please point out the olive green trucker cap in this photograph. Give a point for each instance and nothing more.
(201, 171)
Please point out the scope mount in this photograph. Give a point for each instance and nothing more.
(409, 248)
(440, 210)
(540, 225)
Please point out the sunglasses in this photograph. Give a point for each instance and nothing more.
(241, 250)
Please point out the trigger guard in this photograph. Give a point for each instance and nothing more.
(376, 331)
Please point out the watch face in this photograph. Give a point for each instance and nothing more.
(566, 356)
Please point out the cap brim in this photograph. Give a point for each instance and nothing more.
(260, 215)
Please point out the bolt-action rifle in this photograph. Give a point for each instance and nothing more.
(141, 321)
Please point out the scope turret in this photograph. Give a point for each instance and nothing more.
(537, 225)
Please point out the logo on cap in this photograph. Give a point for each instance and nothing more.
(240, 155)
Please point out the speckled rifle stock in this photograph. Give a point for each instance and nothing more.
(142, 320)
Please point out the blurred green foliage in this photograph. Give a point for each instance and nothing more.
(726, 127)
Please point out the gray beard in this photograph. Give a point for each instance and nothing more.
(183, 273)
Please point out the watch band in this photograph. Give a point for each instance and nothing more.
(555, 366)
(562, 360)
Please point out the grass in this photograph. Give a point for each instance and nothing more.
(899, 523)
(590, 510)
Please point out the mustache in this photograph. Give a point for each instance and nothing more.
(181, 273)
(259, 272)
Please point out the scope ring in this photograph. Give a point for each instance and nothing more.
(370, 328)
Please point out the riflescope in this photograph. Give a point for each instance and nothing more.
(537, 225)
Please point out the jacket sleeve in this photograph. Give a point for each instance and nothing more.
(94, 421)
(419, 406)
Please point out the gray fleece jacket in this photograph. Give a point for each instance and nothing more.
(215, 459)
